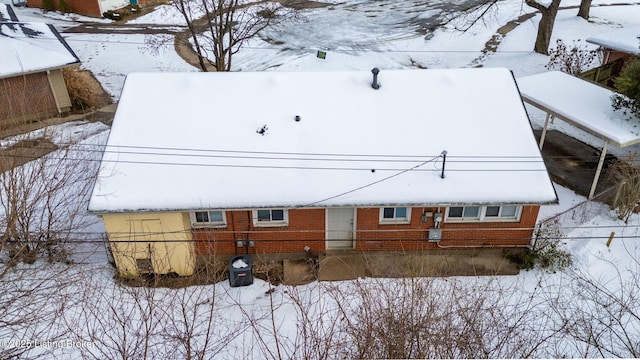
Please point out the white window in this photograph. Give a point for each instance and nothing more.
(270, 217)
(395, 215)
(464, 213)
(212, 218)
(484, 213)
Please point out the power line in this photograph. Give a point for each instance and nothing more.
(309, 50)
(290, 156)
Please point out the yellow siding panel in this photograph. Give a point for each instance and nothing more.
(162, 240)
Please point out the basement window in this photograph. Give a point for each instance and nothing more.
(270, 217)
(395, 215)
(212, 218)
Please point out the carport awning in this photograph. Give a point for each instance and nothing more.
(582, 104)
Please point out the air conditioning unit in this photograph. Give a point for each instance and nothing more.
(435, 235)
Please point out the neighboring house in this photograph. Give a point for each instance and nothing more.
(88, 7)
(31, 62)
(618, 46)
(281, 164)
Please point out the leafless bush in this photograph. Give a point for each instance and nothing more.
(318, 327)
(194, 325)
(601, 315)
(118, 320)
(438, 318)
(547, 251)
(43, 199)
(627, 177)
(85, 91)
(142, 318)
(571, 60)
(32, 298)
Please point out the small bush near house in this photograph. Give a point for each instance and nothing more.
(573, 60)
(546, 251)
(64, 7)
(628, 84)
(626, 176)
(47, 5)
(85, 92)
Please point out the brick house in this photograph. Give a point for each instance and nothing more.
(215, 164)
(93, 8)
(31, 62)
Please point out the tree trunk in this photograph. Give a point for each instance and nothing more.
(545, 27)
(585, 6)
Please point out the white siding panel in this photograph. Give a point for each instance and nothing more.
(59, 89)
(106, 5)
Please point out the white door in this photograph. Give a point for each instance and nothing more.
(340, 226)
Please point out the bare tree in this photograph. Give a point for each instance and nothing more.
(478, 12)
(32, 298)
(584, 9)
(43, 199)
(219, 28)
(545, 27)
(600, 316)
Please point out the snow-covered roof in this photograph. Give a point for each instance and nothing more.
(32, 47)
(183, 141)
(582, 104)
(7, 13)
(625, 40)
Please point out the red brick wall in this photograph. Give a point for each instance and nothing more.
(307, 228)
(83, 7)
(26, 96)
(614, 55)
(371, 235)
(484, 233)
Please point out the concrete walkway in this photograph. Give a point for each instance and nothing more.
(351, 265)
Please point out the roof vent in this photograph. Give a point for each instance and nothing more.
(375, 84)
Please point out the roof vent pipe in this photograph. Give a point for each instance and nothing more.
(444, 161)
(375, 84)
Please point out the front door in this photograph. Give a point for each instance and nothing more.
(340, 226)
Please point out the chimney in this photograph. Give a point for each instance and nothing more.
(375, 84)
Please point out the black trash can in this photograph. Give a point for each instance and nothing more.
(240, 271)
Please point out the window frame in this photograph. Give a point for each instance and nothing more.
(482, 214)
(395, 220)
(270, 223)
(208, 224)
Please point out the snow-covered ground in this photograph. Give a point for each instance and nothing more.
(393, 39)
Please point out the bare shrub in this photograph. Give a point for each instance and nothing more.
(43, 200)
(438, 318)
(118, 320)
(601, 315)
(85, 92)
(627, 178)
(571, 60)
(547, 249)
(33, 298)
